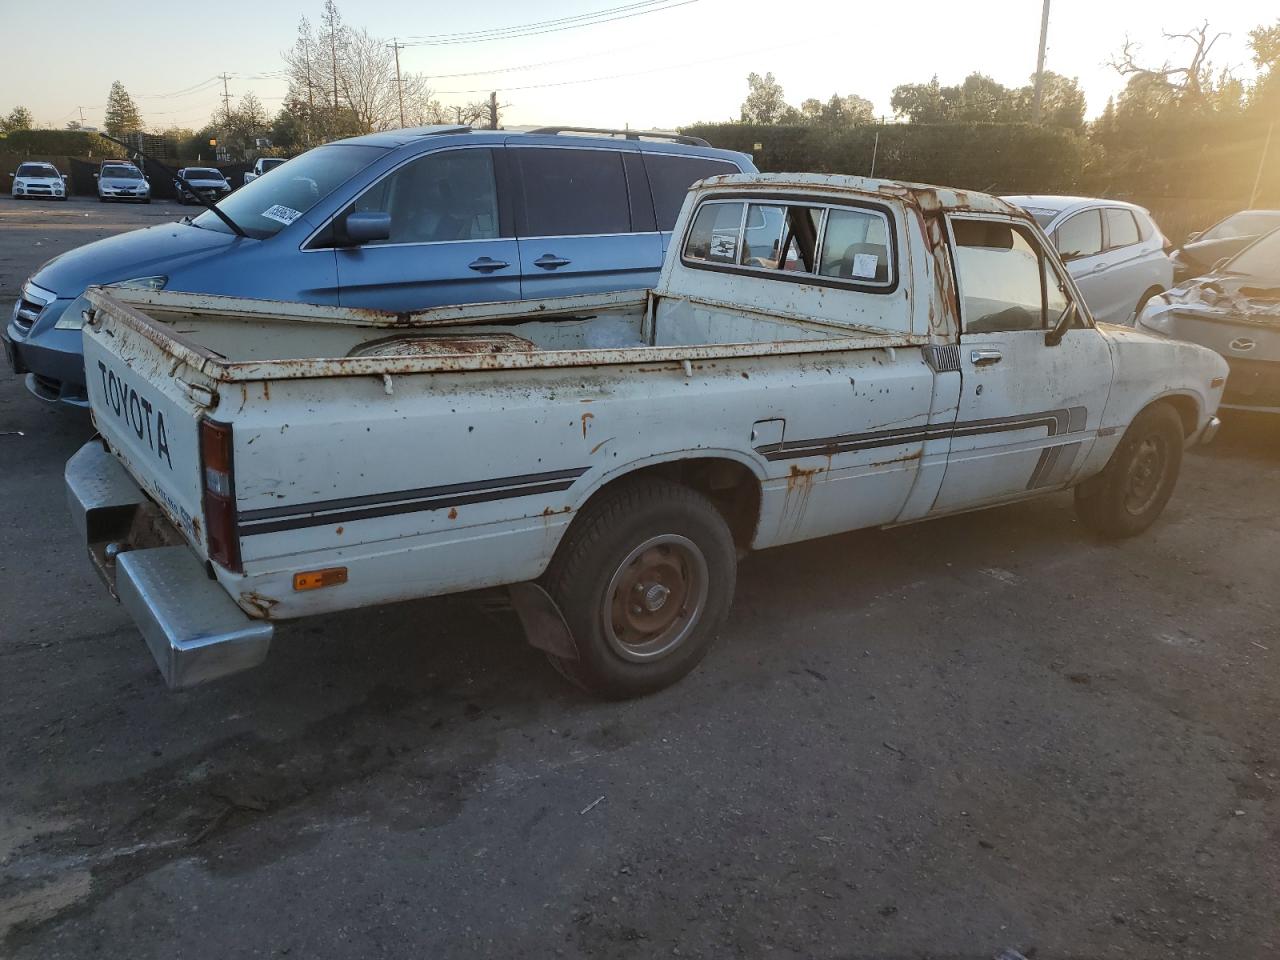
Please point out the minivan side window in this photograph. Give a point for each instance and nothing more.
(670, 178)
(1005, 279)
(572, 192)
(1122, 229)
(1080, 236)
(438, 198)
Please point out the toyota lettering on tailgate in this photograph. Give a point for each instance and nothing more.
(136, 411)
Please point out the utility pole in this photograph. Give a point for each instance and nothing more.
(226, 99)
(1044, 38)
(1262, 162)
(493, 110)
(397, 47)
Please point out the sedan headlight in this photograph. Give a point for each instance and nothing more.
(73, 317)
(1156, 317)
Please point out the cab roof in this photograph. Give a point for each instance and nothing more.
(927, 197)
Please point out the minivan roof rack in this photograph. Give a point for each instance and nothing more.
(629, 134)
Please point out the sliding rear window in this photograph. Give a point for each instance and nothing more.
(824, 244)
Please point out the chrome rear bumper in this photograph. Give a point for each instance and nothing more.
(193, 628)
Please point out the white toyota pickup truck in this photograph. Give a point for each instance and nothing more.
(821, 354)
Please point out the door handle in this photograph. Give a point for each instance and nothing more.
(488, 265)
(1100, 266)
(984, 358)
(549, 261)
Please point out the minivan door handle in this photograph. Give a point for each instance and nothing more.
(984, 358)
(488, 265)
(549, 261)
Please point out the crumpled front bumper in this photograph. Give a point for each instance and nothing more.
(193, 628)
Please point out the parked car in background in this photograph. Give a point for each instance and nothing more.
(261, 166)
(609, 457)
(38, 179)
(1201, 250)
(207, 181)
(1114, 251)
(121, 180)
(400, 220)
(1234, 310)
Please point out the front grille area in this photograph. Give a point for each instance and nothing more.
(1253, 383)
(27, 314)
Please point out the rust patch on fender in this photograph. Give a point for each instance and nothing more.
(261, 605)
(905, 458)
(453, 513)
(585, 418)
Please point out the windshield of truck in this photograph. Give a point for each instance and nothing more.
(118, 171)
(202, 173)
(36, 170)
(266, 165)
(1260, 259)
(267, 205)
(1247, 223)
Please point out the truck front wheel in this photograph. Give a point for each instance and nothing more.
(644, 578)
(1133, 489)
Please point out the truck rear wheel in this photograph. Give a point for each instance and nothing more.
(1132, 490)
(644, 578)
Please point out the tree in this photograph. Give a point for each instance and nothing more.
(241, 125)
(765, 102)
(1264, 96)
(122, 113)
(19, 118)
(1186, 83)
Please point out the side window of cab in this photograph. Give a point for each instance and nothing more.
(1007, 281)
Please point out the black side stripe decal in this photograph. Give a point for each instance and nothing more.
(1056, 422)
(348, 509)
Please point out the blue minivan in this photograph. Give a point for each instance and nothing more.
(396, 221)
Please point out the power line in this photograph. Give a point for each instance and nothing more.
(555, 29)
(538, 24)
(634, 73)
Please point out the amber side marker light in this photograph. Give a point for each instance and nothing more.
(315, 579)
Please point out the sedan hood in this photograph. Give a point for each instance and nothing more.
(154, 251)
(1226, 296)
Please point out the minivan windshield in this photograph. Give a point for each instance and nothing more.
(120, 171)
(1260, 259)
(267, 205)
(36, 170)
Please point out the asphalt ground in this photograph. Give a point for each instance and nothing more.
(944, 740)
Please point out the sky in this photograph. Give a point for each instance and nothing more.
(651, 68)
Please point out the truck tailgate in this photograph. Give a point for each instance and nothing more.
(146, 404)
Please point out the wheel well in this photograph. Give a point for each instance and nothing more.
(1187, 409)
(730, 486)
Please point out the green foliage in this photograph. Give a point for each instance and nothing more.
(19, 118)
(994, 157)
(58, 143)
(980, 99)
(122, 115)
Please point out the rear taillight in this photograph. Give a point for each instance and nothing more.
(217, 468)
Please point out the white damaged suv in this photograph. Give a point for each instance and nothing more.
(38, 179)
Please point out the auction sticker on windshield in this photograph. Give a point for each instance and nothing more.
(282, 214)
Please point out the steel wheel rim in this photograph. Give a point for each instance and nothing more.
(655, 598)
(1145, 475)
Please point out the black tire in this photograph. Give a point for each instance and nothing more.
(658, 543)
(1133, 488)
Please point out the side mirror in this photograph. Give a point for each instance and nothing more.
(1054, 337)
(367, 227)
(64, 177)
(11, 176)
